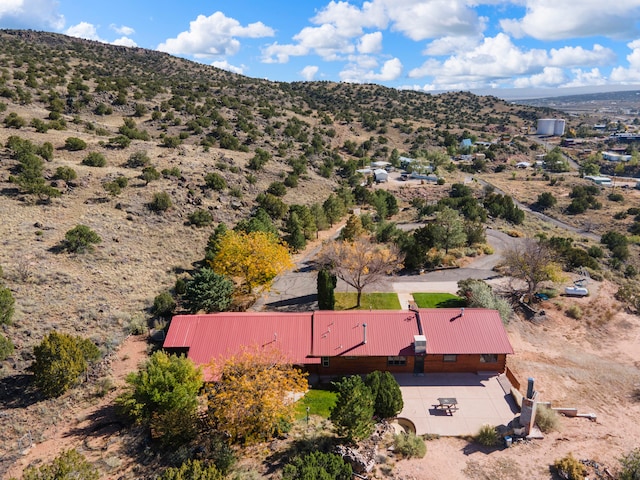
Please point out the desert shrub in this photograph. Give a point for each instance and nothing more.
(192, 470)
(94, 159)
(160, 202)
(6, 347)
(570, 468)
(487, 436)
(68, 465)
(59, 360)
(119, 141)
(39, 125)
(546, 419)
(630, 465)
(215, 181)
(112, 188)
(138, 159)
(80, 239)
(13, 120)
(574, 311)
(102, 109)
(150, 174)
(277, 188)
(409, 445)
(163, 394)
(74, 144)
(171, 172)
(65, 173)
(616, 197)
(7, 303)
(317, 465)
(201, 218)
(164, 305)
(137, 324)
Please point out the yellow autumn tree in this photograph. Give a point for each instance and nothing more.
(253, 398)
(253, 259)
(361, 262)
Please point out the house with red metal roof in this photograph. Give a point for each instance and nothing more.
(353, 341)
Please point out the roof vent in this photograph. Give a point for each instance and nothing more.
(364, 333)
(419, 344)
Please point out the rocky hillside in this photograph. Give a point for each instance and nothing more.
(116, 126)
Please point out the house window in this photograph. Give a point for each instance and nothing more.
(450, 358)
(325, 361)
(397, 360)
(489, 358)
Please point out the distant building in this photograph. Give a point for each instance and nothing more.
(616, 157)
(381, 175)
(466, 143)
(602, 181)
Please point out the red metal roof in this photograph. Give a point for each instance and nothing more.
(388, 332)
(305, 337)
(221, 335)
(464, 331)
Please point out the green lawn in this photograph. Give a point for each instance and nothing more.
(438, 300)
(318, 401)
(374, 301)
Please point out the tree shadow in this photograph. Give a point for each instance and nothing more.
(17, 391)
(452, 303)
(103, 422)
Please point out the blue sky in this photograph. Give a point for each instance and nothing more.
(488, 46)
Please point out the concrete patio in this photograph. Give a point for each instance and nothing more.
(481, 400)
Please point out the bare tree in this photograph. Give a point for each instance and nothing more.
(533, 262)
(361, 262)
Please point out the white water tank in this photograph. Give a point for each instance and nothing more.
(551, 126)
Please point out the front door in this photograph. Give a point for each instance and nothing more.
(418, 365)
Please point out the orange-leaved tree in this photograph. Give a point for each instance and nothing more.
(361, 262)
(252, 398)
(254, 258)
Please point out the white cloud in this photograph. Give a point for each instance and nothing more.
(558, 19)
(576, 56)
(354, 73)
(224, 65)
(550, 76)
(215, 35)
(449, 45)
(84, 30)
(586, 78)
(124, 42)
(349, 20)
(632, 73)
(421, 20)
(122, 29)
(37, 14)
(370, 43)
(276, 53)
(309, 72)
(498, 61)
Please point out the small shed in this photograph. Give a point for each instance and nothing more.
(603, 181)
(381, 175)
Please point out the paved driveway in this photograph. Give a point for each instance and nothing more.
(481, 400)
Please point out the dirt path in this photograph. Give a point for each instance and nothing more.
(86, 429)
